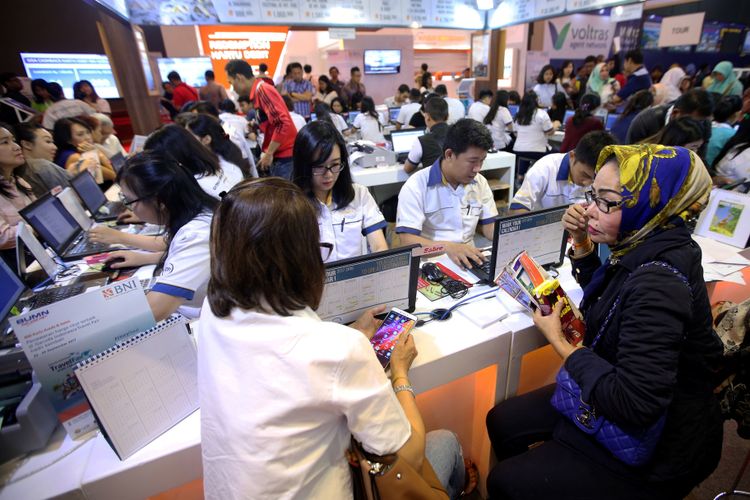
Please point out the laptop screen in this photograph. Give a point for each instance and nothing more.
(568, 114)
(355, 285)
(10, 289)
(393, 113)
(540, 233)
(52, 222)
(611, 119)
(403, 139)
(352, 115)
(117, 161)
(88, 191)
(513, 108)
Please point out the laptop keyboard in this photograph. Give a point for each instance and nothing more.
(52, 295)
(86, 246)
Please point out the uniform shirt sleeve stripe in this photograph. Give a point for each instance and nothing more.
(174, 291)
(374, 227)
(409, 230)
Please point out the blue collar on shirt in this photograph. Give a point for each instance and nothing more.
(564, 173)
(435, 177)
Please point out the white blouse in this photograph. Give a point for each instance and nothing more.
(280, 398)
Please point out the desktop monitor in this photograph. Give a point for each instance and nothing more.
(88, 191)
(11, 289)
(382, 62)
(355, 285)
(52, 222)
(66, 69)
(611, 120)
(191, 69)
(393, 113)
(540, 233)
(403, 140)
(513, 108)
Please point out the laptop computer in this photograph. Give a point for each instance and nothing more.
(402, 141)
(393, 113)
(117, 161)
(540, 233)
(611, 120)
(568, 114)
(12, 288)
(93, 198)
(351, 116)
(56, 227)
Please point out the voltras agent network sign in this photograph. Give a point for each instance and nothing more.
(578, 36)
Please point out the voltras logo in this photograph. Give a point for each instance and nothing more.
(558, 39)
(584, 35)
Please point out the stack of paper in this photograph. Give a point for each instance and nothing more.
(721, 262)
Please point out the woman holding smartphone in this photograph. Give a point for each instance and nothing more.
(348, 216)
(281, 391)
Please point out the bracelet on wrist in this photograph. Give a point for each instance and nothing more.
(404, 377)
(585, 243)
(404, 387)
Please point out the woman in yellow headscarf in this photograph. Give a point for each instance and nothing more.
(644, 362)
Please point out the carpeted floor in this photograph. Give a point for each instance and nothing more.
(733, 455)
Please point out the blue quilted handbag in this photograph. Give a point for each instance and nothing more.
(632, 446)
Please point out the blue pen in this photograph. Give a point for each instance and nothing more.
(342, 224)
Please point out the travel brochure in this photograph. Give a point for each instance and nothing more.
(57, 336)
(530, 285)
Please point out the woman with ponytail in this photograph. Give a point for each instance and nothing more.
(582, 122)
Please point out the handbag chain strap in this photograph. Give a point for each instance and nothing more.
(611, 311)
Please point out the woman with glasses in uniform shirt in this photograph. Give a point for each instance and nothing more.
(348, 216)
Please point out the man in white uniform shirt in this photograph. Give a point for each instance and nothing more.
(479, 109)
(408, 110)
(560, 179)
(445, 203)
(456, 109)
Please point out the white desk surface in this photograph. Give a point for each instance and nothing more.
(394, 174)
(447, 351)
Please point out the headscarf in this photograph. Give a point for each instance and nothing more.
(730, 85)
(658, 183)
(595, 80)
(668, 89)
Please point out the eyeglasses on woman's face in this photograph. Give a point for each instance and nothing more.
(129, 203)
(334, 167)
(604, 205)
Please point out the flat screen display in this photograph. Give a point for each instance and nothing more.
(746, 45)
(382, 62)
(191, 69)
(66, 69)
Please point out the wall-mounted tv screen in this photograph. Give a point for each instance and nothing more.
(382, 62)
(191, 69)
(746, 45)
(66, 69)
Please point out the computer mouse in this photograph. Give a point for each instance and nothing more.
(431, 272)
(108, 265)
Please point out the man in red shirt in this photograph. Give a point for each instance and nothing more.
(183, 93)
(278, 129)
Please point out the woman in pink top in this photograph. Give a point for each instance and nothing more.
(15, 193)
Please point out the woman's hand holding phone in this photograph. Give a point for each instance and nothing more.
(368, 323)
(403, 355)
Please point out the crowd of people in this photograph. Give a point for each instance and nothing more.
(279, 406)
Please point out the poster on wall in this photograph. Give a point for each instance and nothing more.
(578, 36)
(254, 44)
(650, 34)
(710, 38)
(535, 61)
(480, 56)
